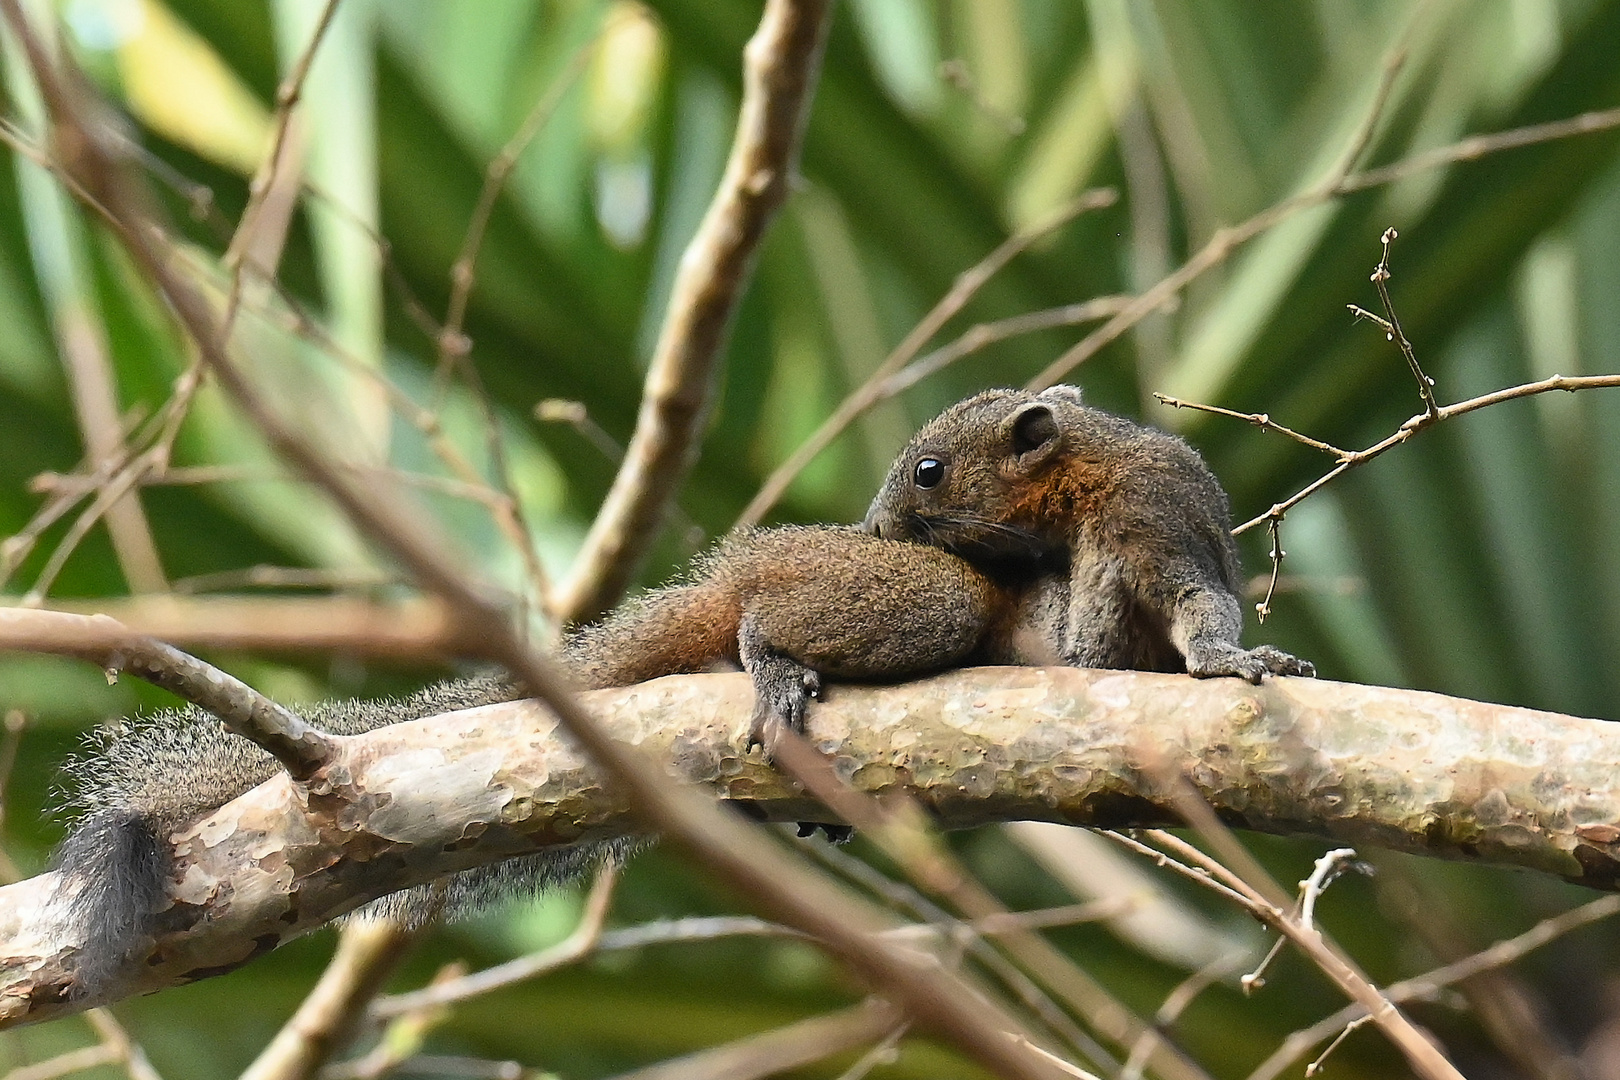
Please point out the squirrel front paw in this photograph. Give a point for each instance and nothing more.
(783, 688)
(1249, 664)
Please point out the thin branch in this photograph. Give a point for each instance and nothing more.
(288, 95)
(1426, 986)
(1424, 1058)
(1176, 1003)
(65, 1064)
(772, 1052)
(301, 748)
(780, 65)
(419, 630)
(983, 335)
(900, 830)
(1420, 422)
(453, 344)
(580, 943)
(1225, 241)
(1259, 420)
(910, 901)
(1477, 146)
(1380, 280)
(874, 389)
(1263, 608)
(368, 952)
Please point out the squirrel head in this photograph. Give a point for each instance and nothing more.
(964, 480)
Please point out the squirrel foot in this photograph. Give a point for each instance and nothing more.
(783, 688)
(1249, 664)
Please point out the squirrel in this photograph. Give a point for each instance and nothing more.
(789, 605)
(1015, 528)
(1010, 476)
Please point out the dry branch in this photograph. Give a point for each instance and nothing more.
(780, 65)
(300, 748)
(1367, 765)
(417, 630)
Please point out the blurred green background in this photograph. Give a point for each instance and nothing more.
(1482, 560)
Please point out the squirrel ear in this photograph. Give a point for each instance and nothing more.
(1035, 435)
(1062, 392)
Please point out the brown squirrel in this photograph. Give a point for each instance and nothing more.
(789, 605)
(1010, 476)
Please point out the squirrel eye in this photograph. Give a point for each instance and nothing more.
(928, 473)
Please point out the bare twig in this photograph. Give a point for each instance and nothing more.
(983, 335)
(1380, 280)
(1176, 1003)
(421, 630)
(368, 952)
(1420, 422)
(786, 1048)
(781, 63)
(87, 1057)
(1263, 608)
(1427, 985)
(1225, 241)
(1316, 1066)
(1328, 867)
(875, 388)
(452, 341)
(299, 747)
(1259, 420)
(1478, 146)
(577, 945)
(128, 1051)
(288, 94)
(1422, 1055)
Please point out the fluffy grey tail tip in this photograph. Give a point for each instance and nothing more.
(114, 868)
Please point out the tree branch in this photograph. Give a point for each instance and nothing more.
(780, 65)
(1366, 765)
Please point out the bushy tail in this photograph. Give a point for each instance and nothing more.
(113, 868)
(670, 631)
(153, 775)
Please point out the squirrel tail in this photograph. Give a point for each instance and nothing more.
(669, 631)
(136, 784)
(113, 868)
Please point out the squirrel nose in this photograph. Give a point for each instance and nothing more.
(870, 525)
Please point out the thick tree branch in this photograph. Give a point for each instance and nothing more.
(1367, 765)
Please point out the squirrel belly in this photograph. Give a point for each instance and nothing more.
(790, 605)
(1010, 477)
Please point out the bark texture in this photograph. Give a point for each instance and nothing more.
(402, 805)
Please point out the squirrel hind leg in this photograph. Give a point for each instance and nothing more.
(114, 870)
(783, 687)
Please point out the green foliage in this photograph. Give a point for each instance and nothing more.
(1482, 559)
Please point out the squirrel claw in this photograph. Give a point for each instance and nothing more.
(1250, 665)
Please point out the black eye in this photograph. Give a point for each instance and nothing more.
(928, 473)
